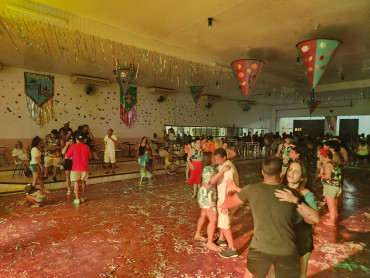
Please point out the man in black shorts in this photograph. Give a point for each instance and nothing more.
(273, 242)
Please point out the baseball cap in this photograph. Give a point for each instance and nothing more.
(79, 137)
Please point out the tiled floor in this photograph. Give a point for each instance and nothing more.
(124, 230)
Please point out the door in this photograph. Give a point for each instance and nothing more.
(348, 126)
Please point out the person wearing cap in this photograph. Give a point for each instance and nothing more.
(53, 155)
(80, 154)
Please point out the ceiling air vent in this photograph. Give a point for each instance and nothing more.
(89, 80)
(210, 98)
(161, 91)
(250, 102)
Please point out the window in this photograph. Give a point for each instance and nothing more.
(216, 132)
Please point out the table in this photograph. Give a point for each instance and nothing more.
(129, 147)
(252, 146)
(93, 146)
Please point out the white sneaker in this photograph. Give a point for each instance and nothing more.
(83, 200)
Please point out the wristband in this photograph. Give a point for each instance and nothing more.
(300, 200)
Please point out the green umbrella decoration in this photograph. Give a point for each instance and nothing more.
(316, 55)
(196, 92)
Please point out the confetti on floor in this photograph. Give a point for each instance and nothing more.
(126, 230)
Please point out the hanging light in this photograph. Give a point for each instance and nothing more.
(210, 21)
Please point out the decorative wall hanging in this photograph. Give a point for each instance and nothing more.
(316, 55)
(39, 90)
(128, 96)
(196, 92)
(246, 72)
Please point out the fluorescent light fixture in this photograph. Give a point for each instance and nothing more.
(37, 15)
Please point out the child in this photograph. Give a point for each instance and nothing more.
(144, 171)
(36, 197)
(283, 152)
(171, 164)
(331, 178)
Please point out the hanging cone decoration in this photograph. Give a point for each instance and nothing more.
(196, 92)
(316, 55)
(128, 96)
(246, 73)
(39, 90)
(312, 105)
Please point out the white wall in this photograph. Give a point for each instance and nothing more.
(101, 110)
(363, 123)
(353, 107)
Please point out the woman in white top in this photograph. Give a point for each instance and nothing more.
(35, 164)
(20, 155)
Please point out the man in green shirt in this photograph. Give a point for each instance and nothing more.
(273, 242)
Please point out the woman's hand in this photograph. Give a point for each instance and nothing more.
(232, 186)
(286, 196)
(226, 168)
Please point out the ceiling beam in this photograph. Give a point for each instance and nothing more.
(343, 86)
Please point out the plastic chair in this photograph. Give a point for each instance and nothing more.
(3, 152)
(21, 168)
(97, 159)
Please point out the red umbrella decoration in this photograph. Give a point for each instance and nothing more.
(246, 72)
(316, 55)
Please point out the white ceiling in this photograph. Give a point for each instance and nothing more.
(266, 30)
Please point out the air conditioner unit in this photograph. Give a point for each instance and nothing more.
(250, 102)
(89, 80)
(210, 98)
(161, 91)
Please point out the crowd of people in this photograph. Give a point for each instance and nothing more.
(61, 150)
(282, 242)
(283, 223)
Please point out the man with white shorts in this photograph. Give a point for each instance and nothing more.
(225, 218)
(110, 141)
(80, 154)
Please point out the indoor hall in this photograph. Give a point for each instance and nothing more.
(244, 74)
